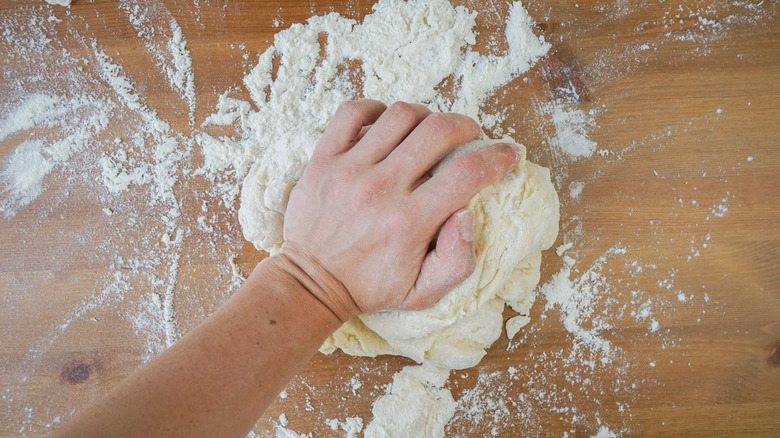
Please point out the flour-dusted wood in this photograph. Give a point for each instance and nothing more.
(651, 75)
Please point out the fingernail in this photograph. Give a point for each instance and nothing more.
(466, 225)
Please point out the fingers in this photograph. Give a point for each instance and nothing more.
(448, 265)
(455, 185)
(430, 141)
(389, 131)
(346, 125)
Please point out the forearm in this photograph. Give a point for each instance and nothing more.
(218, 379)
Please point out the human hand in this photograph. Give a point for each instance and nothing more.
(360, 221)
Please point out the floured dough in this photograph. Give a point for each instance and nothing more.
(515, 219)
(416, 405)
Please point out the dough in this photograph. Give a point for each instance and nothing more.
(416, 405)
(515, 219)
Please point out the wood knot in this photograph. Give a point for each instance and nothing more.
(78, 373)
(774, 357)
(543, 27)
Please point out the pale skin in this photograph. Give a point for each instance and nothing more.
(357, 232)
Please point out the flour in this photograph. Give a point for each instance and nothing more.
(416, 404)
(575, 189)
(604, 432)
(59, 2)
(66, 123)
(571, 130)
(402, 51)
(576, 300)
(117, 179)
(23, 175)
(80, 120)
(36, 109)
(562, 248)
(283, 432)
(59, 126)
(351, 426)
(168, 47)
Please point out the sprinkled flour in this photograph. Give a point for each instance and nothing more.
(416, 404)
(571, 128)
(576, 299)
(297, 101)
(157, 192)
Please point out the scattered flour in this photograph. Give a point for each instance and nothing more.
(69, 111)
(168, 47)
(416, 404)
(576, 299)
(59, 2)
(604, 432)
(572, 125)
(575, 189)
(562, 248)
(36, 109)
(23, 176)
(283, 432)
(297, 101)
(352, 426)
(80, 119)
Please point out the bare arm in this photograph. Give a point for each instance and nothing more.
(219, 378)
(357, 232)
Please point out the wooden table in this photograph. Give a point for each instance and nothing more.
(684, 100)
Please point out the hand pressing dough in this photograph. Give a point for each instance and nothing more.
(515, 220)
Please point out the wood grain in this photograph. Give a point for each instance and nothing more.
(715, 364)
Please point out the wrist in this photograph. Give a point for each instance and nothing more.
(309, 273)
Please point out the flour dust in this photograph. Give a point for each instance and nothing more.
(159, 193)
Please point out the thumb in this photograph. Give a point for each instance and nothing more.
(448, 265)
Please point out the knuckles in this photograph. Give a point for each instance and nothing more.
(440, 125)
(406, 113)
(470, 168)
(455, 128)
(349, 110)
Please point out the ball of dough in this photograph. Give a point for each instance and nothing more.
(516, 218)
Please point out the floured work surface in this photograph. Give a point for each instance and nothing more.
(656, 119)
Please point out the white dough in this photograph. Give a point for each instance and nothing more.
(515, 219)
(416, 405)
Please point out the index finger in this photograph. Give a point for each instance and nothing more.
(455, 185)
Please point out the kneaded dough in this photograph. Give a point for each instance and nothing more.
(516, 218)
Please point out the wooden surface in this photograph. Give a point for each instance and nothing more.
(679, 120)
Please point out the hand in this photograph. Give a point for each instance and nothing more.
(360, 221)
